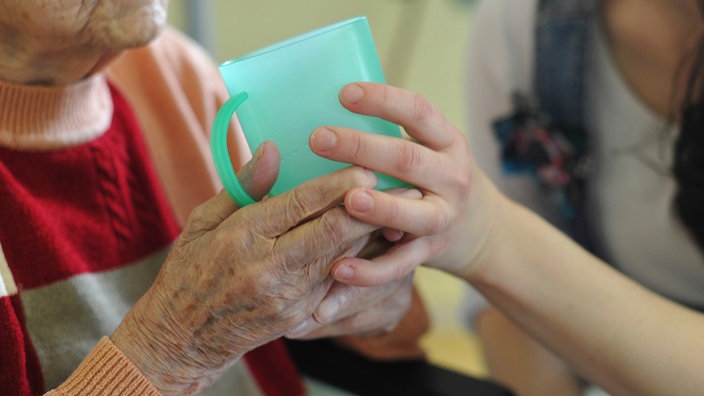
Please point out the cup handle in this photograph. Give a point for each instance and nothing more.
(221, 157)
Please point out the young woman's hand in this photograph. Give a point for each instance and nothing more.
(445, 228)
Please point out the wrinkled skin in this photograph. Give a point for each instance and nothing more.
(365, 311)
(240, 278)
(57, 42)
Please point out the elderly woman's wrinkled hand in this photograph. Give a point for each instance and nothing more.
(359, 310)
(365, 311)
(240, 278)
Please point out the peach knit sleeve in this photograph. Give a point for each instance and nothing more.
(105, 371)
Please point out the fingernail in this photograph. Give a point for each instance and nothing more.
(327, 310)
(393, 235)
(344, 272)
(323, 139)
(351, 93)
(373, 178)
(361, 201)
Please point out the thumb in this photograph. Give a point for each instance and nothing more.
(257, 177)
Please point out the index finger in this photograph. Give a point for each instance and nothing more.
(399, 158)
(344, 300)
(421, 120)
(277, 215)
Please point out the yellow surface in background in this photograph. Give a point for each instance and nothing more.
(449, 343)
(421, 43)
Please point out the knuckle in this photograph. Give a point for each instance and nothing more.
(298, 204)
(228, 243)
(198, 220)
(356, 145)
(385, 96)
(423, 111)
(198, 213)
(391, 212)
(398, 272)
(463, 183)
(437, 221)
(331, 228)
(409, 158)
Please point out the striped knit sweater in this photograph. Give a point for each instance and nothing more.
(95, 181)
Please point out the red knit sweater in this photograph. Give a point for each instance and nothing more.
(70, 216)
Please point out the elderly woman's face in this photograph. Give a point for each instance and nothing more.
(108, 24)
(59, 41)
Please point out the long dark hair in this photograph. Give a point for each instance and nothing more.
(689, 149)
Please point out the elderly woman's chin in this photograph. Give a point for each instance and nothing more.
(135, 30)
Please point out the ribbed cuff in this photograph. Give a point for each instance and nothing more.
(106, 371)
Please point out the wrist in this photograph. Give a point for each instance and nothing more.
(484, 239)
(163, 349)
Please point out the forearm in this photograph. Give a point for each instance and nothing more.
(606, 326)
(615, 332)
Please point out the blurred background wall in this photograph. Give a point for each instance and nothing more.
(421, 45)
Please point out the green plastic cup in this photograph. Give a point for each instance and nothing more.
(284, 91)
